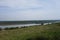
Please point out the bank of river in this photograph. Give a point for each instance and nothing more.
(19, 25)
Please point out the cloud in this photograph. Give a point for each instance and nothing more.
(27, 3)
(29, 9)
(21, 3)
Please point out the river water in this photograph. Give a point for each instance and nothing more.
(19, 25)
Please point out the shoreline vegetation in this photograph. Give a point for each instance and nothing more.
(40, 32)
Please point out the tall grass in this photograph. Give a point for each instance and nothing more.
(43, 32)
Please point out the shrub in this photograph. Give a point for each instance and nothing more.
(38, 38)
(6, 28)
(0, 29)
(16, 27)
(24, 27)
(10, 28)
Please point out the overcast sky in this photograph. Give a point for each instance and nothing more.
(29, 10)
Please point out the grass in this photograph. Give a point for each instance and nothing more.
(43, 32)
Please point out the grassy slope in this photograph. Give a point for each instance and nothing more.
(48, 32)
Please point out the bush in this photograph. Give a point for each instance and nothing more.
(24, 27)
(38, 38)
(16, 27)
(0, 29)
(6, 28)
(10, 28)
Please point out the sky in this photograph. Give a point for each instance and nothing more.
(29, 10)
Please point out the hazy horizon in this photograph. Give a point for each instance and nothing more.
(15, 10)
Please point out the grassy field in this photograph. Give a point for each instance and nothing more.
(43, 32)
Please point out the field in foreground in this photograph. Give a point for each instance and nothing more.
(45, 32)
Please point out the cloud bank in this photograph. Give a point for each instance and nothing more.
(29, 9)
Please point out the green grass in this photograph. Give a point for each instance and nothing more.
(45, 32)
